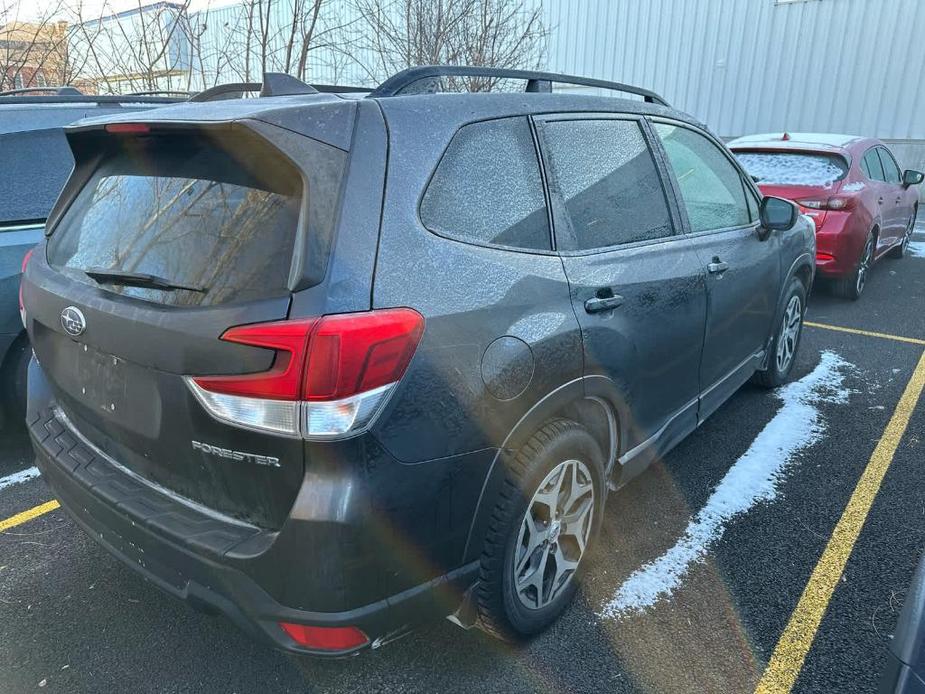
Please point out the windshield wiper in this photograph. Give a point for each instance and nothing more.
(138, 279)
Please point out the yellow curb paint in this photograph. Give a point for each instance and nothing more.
(866, 333)
(790, 652)
(28, 515)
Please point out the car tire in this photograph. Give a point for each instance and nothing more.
(852, 287)
(561, 461)
(787, 335)
(900, 250)
(13, 387)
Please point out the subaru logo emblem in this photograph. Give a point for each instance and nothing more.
(73, 321)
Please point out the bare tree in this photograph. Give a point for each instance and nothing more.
(33, 48)
(257, 36)
(394, 34)
(147, 49)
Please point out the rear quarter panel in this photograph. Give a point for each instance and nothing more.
(500, 331)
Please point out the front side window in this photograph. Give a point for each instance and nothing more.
(872, 166)
(487, 188)
(711, 187)
(606, 175)
(890, 170)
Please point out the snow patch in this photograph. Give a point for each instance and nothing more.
(19, 477)
(752, 479)
(778, 168)
(916, 249)
(855, 187)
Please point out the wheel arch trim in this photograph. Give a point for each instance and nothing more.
(600, 390)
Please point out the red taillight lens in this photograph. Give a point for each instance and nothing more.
(25, 262)
(325, 638)
(836, 203)
(329, 377)
(824, 257)
(284, 379)
(128, 128)
(354, 353)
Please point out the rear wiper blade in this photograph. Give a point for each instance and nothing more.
(138, 279)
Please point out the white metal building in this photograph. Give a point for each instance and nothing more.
(740, 66)
(747, 66)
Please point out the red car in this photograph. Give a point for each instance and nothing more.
(863, 207)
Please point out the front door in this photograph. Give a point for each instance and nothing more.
(637, 286)
(896, 211)
(742, 265)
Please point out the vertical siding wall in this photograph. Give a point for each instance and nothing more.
(745, 66)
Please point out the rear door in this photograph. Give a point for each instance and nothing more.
(637, 286)
(883, 211)
(219, 214)
(743, 268)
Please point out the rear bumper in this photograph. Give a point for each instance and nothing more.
(839, 242)
(205, 559)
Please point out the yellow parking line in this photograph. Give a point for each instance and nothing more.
(866, 333)
(28, 515)
(794, 643)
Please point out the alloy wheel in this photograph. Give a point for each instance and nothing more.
(789, 333)
(864, 266)
(909, 231)
(553, 534)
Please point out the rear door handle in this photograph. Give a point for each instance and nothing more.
(717, 266)
(598, 304)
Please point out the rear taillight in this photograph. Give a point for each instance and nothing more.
(22, 308)
(329, 378)
(325, 638)
(836, 203)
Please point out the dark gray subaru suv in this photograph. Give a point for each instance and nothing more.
(331, 363)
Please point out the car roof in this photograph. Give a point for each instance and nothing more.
(818, 142)
(329, 116)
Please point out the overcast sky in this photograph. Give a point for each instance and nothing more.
(31, 9)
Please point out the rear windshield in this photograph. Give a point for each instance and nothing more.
(794, 169)
(217, 217)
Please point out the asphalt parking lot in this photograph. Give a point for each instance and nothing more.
(695, 583)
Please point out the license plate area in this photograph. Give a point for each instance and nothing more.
(101, 379)
(105, 389)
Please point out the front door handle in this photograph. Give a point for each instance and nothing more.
(599, 304)
(717, 266)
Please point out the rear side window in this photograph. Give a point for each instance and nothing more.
(206, 212)
(872, 167)
(890, 170)
(606, 175)
(487, 188)
(712, 188)
(794, 169)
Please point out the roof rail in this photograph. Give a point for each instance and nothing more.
(87, 99)
(404, 81)
(340, 88)
(274, 84)
(58, 91)
(162, 92)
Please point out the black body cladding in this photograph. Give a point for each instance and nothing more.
(555, 296)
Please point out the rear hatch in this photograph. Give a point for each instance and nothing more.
(809, 178)
(175, 233)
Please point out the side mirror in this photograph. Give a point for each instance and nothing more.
(778, 214)
(912, 178)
